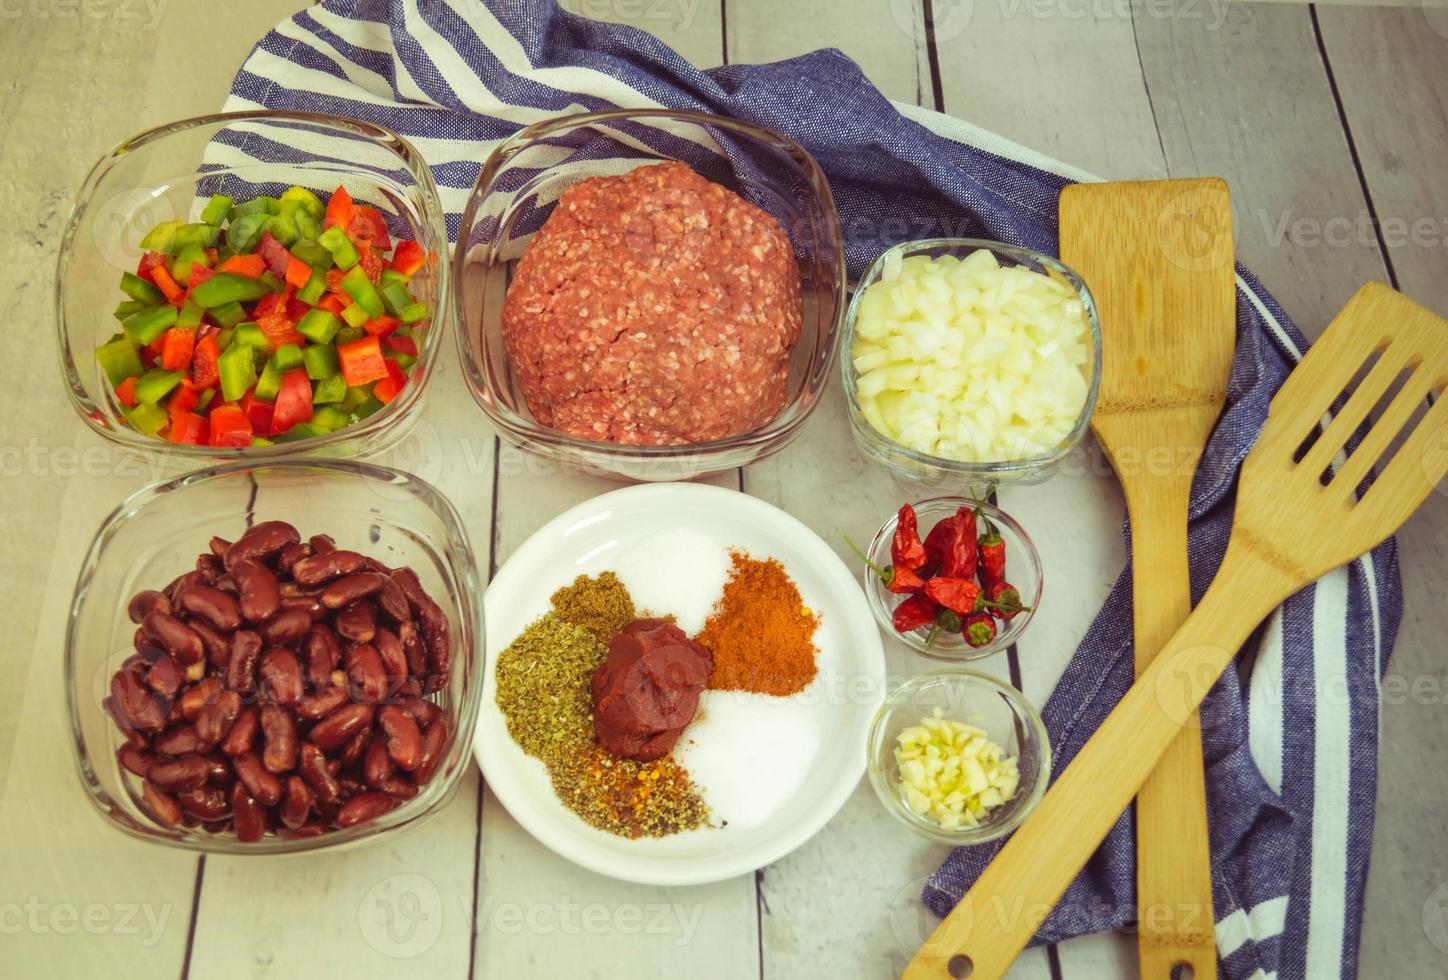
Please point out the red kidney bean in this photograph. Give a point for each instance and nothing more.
(134, 738)
(144, 603)
(181, 741)
(184, 581)
(376, 763)
(389, 648)
(242, 733)
(404, 739)
(354, 749)
(206, 802)
(175, 775)
(257, 589)
(135, 759)
(334, 731)
(323, 703)
(393, 601)
(287, 626)
(210, 567)
(216, 718)
(160, 804)
(179, 639)
(312, 765)
(322, 542)
(260, 542)
(279, 739)
(412, 647)
(434, 745)
(350, 786)
(365, 674)
(436, 631)
(323, 654)
(217, 644)
(165, 676)
(364, 807)
(218, 545)
(422, 712)
(228, 585)
(220, 773)
(400, 787)
(214, 606)
(312, 829)
(281, 675)
(143, 709)
(323, 566)
(309, 604)
(260, 782)
(198, 695)
(241, 668)
(288, 557)
(297, 803)
(250, 817)
(349, 588)
(357, 622)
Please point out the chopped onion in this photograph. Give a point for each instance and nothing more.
(952, 773)
(969, 360)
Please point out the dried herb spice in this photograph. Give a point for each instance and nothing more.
(760, 632)
(543, 682)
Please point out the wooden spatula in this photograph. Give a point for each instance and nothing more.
(1157, 256)
(1296, 518)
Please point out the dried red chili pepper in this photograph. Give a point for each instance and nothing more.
(1006, 600)
(957, 594)
(906, 549)
(901, 580)
(913, 613)
(950, 545)
(992, 550)
(979, 629)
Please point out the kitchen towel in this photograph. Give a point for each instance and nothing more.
(1291, 747)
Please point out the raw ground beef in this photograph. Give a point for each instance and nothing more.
(656, 307)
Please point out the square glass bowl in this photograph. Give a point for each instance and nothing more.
(917, 469)
(156, 534)
(169, 173)
(515, 193)
(977, 699)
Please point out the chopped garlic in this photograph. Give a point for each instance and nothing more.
(952, 773)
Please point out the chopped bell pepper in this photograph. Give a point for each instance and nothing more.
(314, 287)
(126, 308)
(307, 226)
(161, 237)
(355, 315)
(184, 399)
(245, 231)
(309, 201)
(149, 419)
(177, 348)
(329, 418)
(288, 357)
(362, 361)
(161, 276)
(126, 391)
(228, 314)
(251, 266)
(250, 335)
(298, 432)
(229, 427)
(156, 384)
(273, 253)
(320, 361)
(382, 326)
(294, 402)
(396, 297)
(237, 369)
(319, 326)
(368, 408)
(119, 360)
(150, 323)
(414, 313)
(339, 208)
(283, 227)
(389, 387)
(141, 290)
(408, 258)
(188, 427)
(355, 397)
(298, 273)
(216, 209)
(258, 412)
(199, 234)
(149, 261)
(204, 372)
(190, 315)
(224, 287)
(190, 257)
(313, 254)
(368, 225)
(279, 330)
(402, 345)
(330, 391)
(335, 240)
(348, 334)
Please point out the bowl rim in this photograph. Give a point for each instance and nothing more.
(875, 590)
(876, 748)
(526, 432)
(431, 214)
(991, 468)
(457, 553)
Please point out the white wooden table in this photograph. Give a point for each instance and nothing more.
(1321, 119)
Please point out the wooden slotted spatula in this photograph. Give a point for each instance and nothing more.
(1295, 520)
(1157, 256)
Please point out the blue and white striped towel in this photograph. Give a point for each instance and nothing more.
(1292, 749)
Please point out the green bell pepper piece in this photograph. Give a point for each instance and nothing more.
(321, 361)
(251, 335)
(328, 418)
(228, 314)
(196, 233)
(329, 391)
(312, 292)
(149, 419)
(349, 333)
(227, 287)
(397, 298)
(335, 240)
(302, 430)
(181, 265)
(313, 254)
(273, 282)
(216, 209)
(155, 384)
(204, 399)
(159, 238)
(310, 202)
(244, 232)
(259, 441)
(370, 407)
(268, 384)
(414, 313)
(190, 315)
(307, 226)
(391, 276)
(283, 228)
(363, 293)
(223, 337)
(140, 290)
(257, 205)
(319, 326)
(237, 370)
(150, 323)
(355, 316)
(355, 397)
(287, 357)
(127, 307)
(404, 361)
(120, 360)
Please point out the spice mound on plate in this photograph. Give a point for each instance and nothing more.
(654, 308)
(760, 632)
(648, 689)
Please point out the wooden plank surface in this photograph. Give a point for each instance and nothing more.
(1246, 94)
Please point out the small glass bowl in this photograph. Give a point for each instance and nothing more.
(914, 468)
(977, 699)
(156, 534)
(169, 173)
(516, 191)
(1023, 570)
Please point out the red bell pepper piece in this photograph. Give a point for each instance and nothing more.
(333, 303)
(298, 272)
(388, 388)
(229, 427)
(296, 309)
(408, 258)
(199, 274)
(184, 398)
(382, 326)
(252, 265)
(269, 304)
(294, 402)
(167, 285)
(126, 392)
(177, 345)
(279, 329)
(188, 427)
(906, 549)
(339, 209)
(368, 225)
(258, 412)
(404, 345)
(149, 261)
(204, 370)
(370, 261)
(362, 361)
(274, 254)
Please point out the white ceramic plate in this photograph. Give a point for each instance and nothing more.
(836, 708)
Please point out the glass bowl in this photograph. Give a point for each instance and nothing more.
(169, 173)
(157, 532)
(516, 192)
(977, 699)
(914, 468)
(1023, 570)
